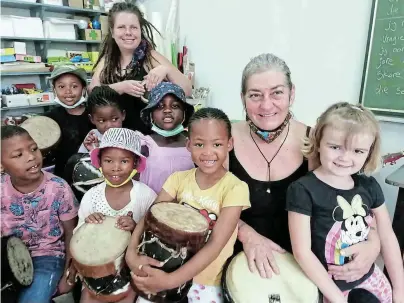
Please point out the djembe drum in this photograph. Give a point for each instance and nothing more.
(98, 252)
(173, 234)
(46, 133)
(240, 285)
(17, 270)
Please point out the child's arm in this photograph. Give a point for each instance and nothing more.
(68, 279)
(224, 228)
(68, 219)
(390, 252)
(133, 259)
(157, 280)
(299, 228)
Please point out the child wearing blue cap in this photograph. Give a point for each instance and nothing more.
(167, 114)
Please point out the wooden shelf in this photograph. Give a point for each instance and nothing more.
(14, 74)
(28, 39)
(27, 106)
(50, 8)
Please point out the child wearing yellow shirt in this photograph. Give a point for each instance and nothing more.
(217, 194)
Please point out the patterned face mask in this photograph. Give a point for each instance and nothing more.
(269, 135)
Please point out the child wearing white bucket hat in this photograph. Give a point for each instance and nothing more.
(119, 159)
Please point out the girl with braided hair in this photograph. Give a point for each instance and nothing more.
(105, 112)
(129, 63)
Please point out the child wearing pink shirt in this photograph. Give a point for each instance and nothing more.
(167, 113)
(40, 209)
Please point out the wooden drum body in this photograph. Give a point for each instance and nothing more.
(242, 286)
(173, 234)
(98, 252)
(46, 133)
(17, 270)
(81, 175)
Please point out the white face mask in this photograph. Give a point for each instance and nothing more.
(78, 103)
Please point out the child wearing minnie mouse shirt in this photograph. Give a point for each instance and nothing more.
(334, 206)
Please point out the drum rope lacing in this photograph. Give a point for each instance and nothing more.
(174, 253)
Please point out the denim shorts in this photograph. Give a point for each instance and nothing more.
(48, 271)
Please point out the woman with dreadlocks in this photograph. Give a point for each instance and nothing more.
(130, 65)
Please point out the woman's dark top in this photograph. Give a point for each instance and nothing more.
(74, 129)
(267, 214)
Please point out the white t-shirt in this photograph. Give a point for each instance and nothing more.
(82, 148)
(95, 201)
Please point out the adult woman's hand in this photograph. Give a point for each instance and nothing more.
(364, 255)
(130, 87)
(155, 76)
(258, 250)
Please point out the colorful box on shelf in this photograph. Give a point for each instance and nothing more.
(90, 34)
(57, 59)
(7, 51)
(26, 100)
(19, 47)
(19, 57)
(41, 98)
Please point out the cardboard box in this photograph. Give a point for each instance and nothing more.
(104, 25)
(75, 3)
(90, 34)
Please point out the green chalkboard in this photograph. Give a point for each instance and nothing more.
(383, 77)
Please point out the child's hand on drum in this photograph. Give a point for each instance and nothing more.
(136, 263)
(126, 222)
(91, 141)
(152, 280)
(95, 218)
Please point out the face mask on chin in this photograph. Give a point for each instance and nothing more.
(78, 103)
(168, 133)
(132, 174)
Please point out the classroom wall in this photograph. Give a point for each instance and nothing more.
(323, 42)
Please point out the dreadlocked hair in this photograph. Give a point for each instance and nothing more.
(210, 113)
(103, 96)
(110, 51)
